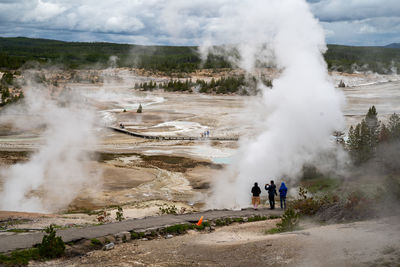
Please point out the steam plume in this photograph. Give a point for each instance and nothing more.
(56, 173)
(302, 110)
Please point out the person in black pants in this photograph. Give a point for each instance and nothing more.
(271, 194)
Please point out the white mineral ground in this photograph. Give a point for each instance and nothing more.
(142, 189)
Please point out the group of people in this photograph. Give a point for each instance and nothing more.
(271, 189)
(205, 134)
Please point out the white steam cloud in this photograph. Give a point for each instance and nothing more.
(58, 171)
(302, 110)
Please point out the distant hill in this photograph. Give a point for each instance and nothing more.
(393, 45)
(17, 52)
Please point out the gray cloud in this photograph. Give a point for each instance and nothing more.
(359, 22)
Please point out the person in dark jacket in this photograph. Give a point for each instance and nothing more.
(256, 191)
(271, 194)
(282, 195)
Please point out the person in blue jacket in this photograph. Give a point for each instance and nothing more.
(282, 195)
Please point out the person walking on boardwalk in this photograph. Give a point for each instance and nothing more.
(256, 191)
(271, 188)
(282, 195)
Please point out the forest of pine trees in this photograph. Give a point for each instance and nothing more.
(224, 85)
(366, 136)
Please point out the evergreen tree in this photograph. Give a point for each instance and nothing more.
(394, 126)
(384, 134)
(372, 122)
(363, 139)
(139, 110)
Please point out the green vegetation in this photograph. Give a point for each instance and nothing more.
(140, 109)
(17, 52)
(224, 85)
(364, 138)
(289, 222)
(17, 230)
(20, 257)
(20, 51)
(168, 209)
(257, 218)
(8, 84)
(137, 235)
(95, 242)
(182, 228)
(350, 58)
(119, 214)
(52, 246)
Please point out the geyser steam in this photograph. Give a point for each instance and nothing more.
(302, 110)
(57, 172)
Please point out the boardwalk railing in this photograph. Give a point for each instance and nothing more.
(158, 137)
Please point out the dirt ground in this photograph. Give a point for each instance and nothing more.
(366, 243)
(180, 172)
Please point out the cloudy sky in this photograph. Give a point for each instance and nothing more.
(351, 22)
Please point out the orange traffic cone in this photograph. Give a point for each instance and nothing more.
(200, 221)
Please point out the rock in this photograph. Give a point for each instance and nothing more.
(108, 246)
(212, 228)
(144, 239)
(169, 236)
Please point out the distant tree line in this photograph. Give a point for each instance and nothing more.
(225, 85)
(26, 52)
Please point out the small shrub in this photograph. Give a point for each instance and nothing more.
(20, 257)
(52, 246)
(95, 242)
(166, 209)
(273, 231)
(177, 229)
(137, 235)
(271, 217)
(119, 214)
(256, 218)
(238, 220)
(219, 222)
(103, 216)
(388, 250)
(290, 222)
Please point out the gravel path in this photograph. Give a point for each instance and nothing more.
(27, 240)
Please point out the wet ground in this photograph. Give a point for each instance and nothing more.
(136, 170)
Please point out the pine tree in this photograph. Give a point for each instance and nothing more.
(363, 139)
(139, 110)
(384, 134)
(372, 122)
(394, 126)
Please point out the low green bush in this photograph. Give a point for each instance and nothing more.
(95, 242)
(289, 222)
(137, 235)
(119, 214)
(52, 246)
(256, 218)
(20, 257)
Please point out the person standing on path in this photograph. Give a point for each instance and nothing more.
(256, 191)
(271, 194)
(282, 195)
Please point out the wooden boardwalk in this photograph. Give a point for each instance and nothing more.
(159, 137)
